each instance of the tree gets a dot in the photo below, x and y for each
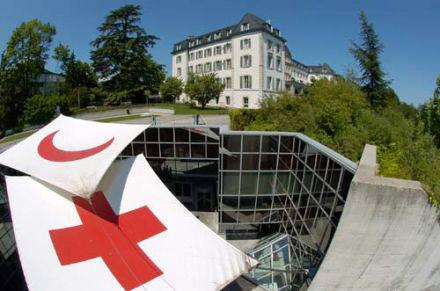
(40, 109)
(22, 63)
(431, 114)
(336, 113)
(79, 76)
(120, 54)
(367, 55)
(204, 88)
(171, 89)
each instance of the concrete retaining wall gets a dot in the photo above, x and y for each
(388, 237)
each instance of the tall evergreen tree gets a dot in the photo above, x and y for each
(431, 114)
(79, 76)
(367, 55)
(120, 53)
(21, 64)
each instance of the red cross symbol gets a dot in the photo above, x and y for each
(112, 237)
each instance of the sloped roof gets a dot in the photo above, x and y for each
(255, 24)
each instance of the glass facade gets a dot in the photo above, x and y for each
(11, 277)
(274, 270)
(281, 183)
(186, 159)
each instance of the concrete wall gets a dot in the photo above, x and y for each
(388, 237)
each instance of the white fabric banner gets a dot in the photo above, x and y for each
(132, 234)
(70, 153)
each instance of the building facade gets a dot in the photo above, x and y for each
(251, 59)
(247, 57)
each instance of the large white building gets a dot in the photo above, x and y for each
(248, 57)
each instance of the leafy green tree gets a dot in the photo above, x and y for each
(171, 89)
(431, 114)
(203, 88)
(120, 54)
(22, 62)
(40, 109)
(79, 76)
(367, 55)
(337, 114)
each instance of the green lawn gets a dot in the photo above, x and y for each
(181, 109)
(121, 118)
(17, 136)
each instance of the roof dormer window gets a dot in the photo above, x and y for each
(245, 26)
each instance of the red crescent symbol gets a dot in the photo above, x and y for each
(47, 150)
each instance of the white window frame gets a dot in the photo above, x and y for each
(246, 82)
(270, 61)
(246, 61)
(217, 66)
(245, 102)
(245, 43)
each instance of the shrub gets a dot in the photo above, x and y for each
(40, 109)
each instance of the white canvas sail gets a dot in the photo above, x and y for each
(71, 154)
(132, 234)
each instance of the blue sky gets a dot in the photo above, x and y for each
(316, 31)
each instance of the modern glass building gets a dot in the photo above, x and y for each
(278, 195)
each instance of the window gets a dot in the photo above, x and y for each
(191, 56)
(191, 43)
(278, 48)
(245, 61)
(227, 64)
(208, 67)
(178, 47)
(217, 35)
(228, 100)
(269, 45)
(209, 38)
(278, 85)
(279, 66)
(269, 83)
(228, 32)
(217, 50)
(191, 69)
(199, 68)
(178, 59)
(245, 43)
(208, 52)
(199, 54)
(182, 189)
(227, 48)
(228, 82)
(245, 102)
(246, 82)
(179, 71)
(244, 26)
(270, 61)
(217, 66)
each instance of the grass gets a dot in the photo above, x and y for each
(121, 118)
(186, 109)
(17, 136)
